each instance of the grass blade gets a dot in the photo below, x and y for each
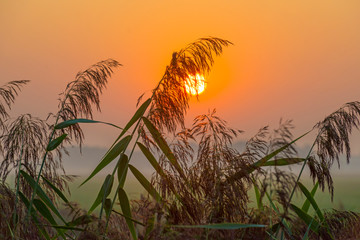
(108, 183)
(131, 219)
(150, 157)
(45, 212)
(312, 201)
(225, 226)
(284, 161)
(56, 190)
(55, 142)
(310, 221)
(33, 215)
(145, 183)
(262, 161)
(109, 156)
(138, 114)
(160, 141)
(306, 204)
(107, 206)
(40, 192)
(82, 220)
(69, 123)
(122, 169)
(258, 197)
(125, 207)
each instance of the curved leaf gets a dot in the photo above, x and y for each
(145, 183)
(284, 161)
(306, 204)
(138, 114)
(55, 142)
(225, 226)
(135, 221)
(40, 192)
(107, 185)
(69, 123)
(311, 200)
(122, 169)
(33, 215)
(109, 156)
(263, 160)
(56, 190)
(41, 207)
(160, 141)
(310, 221)
(150, 157)
(125, 207)
(107, 207)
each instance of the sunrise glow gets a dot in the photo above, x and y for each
(195, 85)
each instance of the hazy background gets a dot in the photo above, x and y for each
(291, 59)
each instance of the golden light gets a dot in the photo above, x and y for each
(195, 85)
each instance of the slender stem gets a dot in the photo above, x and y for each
(17, 187)
(298, 179)
(113, 173)
(118, 188)
(46, 152)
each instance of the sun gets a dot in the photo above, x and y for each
(195, 85)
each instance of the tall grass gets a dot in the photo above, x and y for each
(200, 186)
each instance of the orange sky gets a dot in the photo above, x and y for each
(291, 59)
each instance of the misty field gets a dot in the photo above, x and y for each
(203, 185)
(345, 198)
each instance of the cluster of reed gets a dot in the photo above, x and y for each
(201, 182)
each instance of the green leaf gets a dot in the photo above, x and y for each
(150, 157)
(82, 220)
(138, 114)
(69, 123)
(160, 141)
(150, 226)
(41, 207)
(306, 235)
(306, 204)
(66, 228)
(33, 215)
(314, 225)
(107, 207)
(109, 156)
(56, 190)
(258, 197)
(287, 227)
(125, 207)
(40, 192)
(145, 183)
(262, 161)
(225, 226)
(107, 185)
(122, 169)
(312, 201)
(284, 161)
(131, 219)
(55, 142)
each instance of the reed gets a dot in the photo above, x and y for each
(201, 182)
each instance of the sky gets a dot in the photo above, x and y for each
(289, 59)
